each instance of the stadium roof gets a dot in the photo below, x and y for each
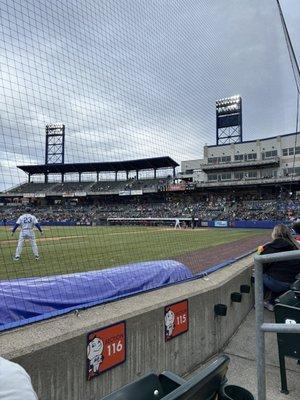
(130, 165)
(255, 140)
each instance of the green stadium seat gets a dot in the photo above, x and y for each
(296, 288)
(150, 386)
(208, 384)
(168, 386)
(287, 311)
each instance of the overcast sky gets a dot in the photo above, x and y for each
(139, 78)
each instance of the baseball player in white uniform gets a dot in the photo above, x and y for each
(177, 223)
(26, 222)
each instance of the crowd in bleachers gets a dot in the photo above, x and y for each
(34, 187)
(204, 207)
(92, 187)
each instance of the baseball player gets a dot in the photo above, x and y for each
(27, 222)
(177, 223)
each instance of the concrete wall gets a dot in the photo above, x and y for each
(54, 351)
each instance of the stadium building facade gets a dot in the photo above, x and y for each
(263, 161)
(257, 180)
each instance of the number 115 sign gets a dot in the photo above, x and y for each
(176, 319)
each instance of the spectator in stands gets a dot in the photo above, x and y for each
(15, 383)
(211, 206)
(279, 275)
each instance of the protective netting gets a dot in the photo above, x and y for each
(126, 92)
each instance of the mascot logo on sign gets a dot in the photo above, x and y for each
(94, 355)
(169, 322)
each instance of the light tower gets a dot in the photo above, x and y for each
(229, 120)
(55, 144)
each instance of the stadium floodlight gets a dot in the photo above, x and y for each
(229, 120)
(55, 144)
(55, 126)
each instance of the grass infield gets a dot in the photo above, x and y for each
(75, 249)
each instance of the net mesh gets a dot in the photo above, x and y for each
(134, 80)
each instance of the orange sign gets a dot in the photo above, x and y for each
(106, 348)
(176, 319)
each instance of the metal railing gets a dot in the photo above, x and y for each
(261, 327)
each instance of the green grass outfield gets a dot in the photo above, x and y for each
(73, 249)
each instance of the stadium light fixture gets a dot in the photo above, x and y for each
(229, 120)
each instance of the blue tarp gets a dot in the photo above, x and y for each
(27, 300)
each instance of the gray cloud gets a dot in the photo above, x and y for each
(138, 78)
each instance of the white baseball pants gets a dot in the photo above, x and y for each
(31, 237)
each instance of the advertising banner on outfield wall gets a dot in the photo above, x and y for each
(221, 224)
(68, 194)
(40, 195)
(80, 194)
(136, 192)
(124, 193)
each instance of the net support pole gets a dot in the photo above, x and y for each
(260, 336)
(261, 327)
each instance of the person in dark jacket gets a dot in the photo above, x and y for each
(279, 275)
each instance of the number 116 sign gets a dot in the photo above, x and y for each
(176, 319)
(106, 348)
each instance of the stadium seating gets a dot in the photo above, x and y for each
(108, 186)
(131, 184)
(204, 206)
(34, 187)
(149, 185)
(287, 311)
(205, 385)
(72, 187)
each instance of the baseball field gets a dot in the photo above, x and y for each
(75, 249)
